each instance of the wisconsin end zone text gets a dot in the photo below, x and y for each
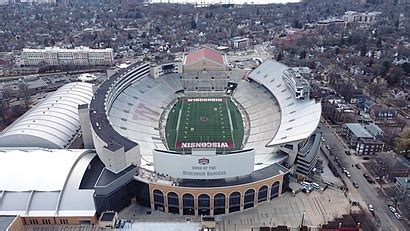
(227, 144)
(191, 100)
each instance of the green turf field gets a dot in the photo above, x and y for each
(204, 123)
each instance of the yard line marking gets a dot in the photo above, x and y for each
(230, 121)
(179, 116)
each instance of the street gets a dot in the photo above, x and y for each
(387, 220)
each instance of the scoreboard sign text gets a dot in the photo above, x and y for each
(204, 166)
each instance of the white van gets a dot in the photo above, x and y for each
(315, 185)
(305, 183)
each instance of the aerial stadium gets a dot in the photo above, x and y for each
(202, 139)
(189, 138)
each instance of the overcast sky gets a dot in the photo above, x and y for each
(229, 1)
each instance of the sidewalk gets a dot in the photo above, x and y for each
(319, 208)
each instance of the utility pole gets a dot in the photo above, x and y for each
(303, 218)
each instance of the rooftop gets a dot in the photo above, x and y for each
(403, 181)
(53, 123)
(204, 53)
(76, 49)
(107, 216)
(295, 76)
(370, 141)
(358, 130)
(6, 221)
(44, 182)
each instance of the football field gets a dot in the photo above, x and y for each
(204, 123)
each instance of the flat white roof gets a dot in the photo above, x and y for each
(358, 130)
(22, 170)
(53, 123)
(76, 49)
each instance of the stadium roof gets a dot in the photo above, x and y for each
(299, 118)
(53, 123)
(44, 182)
(204, 53)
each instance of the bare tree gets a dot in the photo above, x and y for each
(24, 94)
(402, 143)
(5, 107)
(401, 122)
(381, 170)
(376, 89)
(389, 136)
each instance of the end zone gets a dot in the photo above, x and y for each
(182, 144)
(193, 100)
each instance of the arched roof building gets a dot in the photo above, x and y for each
(44, 182)
(53, 123)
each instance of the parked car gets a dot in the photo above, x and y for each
(371, 208)
(397, 215)
(358, 166)
(122, 224)
(327, 147)
(348, 152)
(368, 178)
(305, 183)
(117, 224)
(307, 188)
(392, 208)
(355, 184)
(318, 170)
(323, 139)
(328, 182)
(315, 185)
(347, 173)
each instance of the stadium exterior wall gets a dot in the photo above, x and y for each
(115, 157)
(59, 220)
(122, 197)
(277, 182)
(16, 225)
